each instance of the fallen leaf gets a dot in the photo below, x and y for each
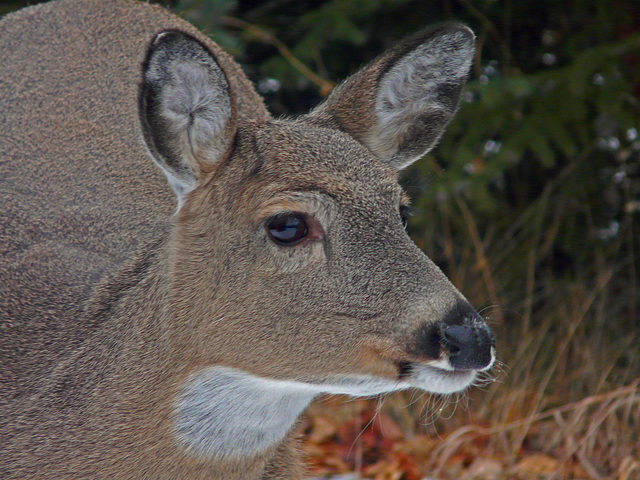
(537, 464)
(389, 428)
(321, 430)
(419, 447)
(485, 469)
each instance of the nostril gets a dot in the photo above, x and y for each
(453, 349)
(468, 346)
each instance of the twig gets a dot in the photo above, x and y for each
(325, 86)
(493, 31)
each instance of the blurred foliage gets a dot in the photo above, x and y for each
(7, 6)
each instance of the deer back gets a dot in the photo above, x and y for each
(79, 192)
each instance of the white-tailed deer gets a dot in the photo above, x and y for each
(141, 342)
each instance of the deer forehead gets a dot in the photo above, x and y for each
(281, 159)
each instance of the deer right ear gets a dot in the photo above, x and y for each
(187, 112)
(399, 105)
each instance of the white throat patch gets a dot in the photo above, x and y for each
(228, 413)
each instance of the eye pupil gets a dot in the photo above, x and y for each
(287, 229)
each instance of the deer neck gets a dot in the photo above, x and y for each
(212, 412)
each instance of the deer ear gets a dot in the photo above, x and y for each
(187, 112)
(399, 105)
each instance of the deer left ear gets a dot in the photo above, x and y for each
(399, 105)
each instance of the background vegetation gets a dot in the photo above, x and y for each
(530, 204)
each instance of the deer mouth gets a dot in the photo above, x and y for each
(434, 374)
(390, 374)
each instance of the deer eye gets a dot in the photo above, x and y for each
(405, 213)
(287, 228)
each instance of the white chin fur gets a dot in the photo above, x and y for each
(438, 380)
(432, 379)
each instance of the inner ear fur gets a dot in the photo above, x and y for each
(399, 105)
(187, 111)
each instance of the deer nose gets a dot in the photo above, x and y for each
(469, 345)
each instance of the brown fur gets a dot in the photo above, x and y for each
(110, 303)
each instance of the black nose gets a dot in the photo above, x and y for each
(468, 345)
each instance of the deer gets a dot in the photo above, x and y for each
(154, 331)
